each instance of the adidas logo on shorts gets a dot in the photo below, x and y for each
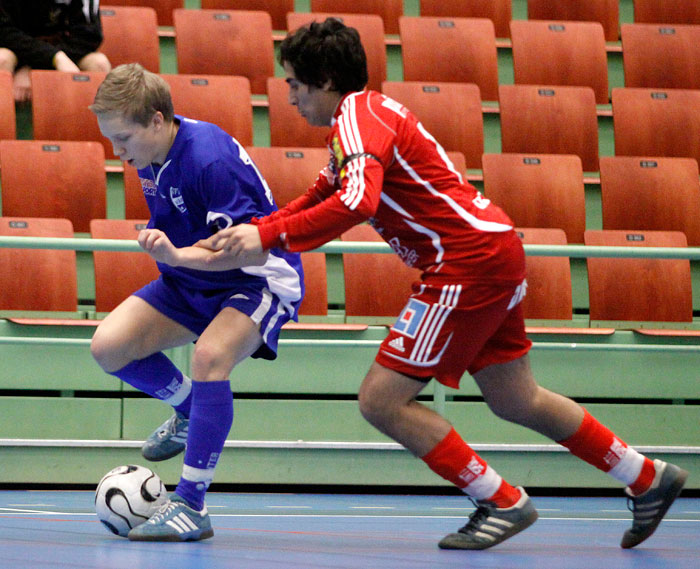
(397, 344)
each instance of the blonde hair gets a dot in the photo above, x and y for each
(134, 93)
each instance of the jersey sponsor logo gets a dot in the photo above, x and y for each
(410, 318)
(397, 344)
(148, 186)
(408, 256)
(177, 199)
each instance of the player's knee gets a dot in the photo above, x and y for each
(209, 363)
(109, 356)
(372, 406)
(8, 60)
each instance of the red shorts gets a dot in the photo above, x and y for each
(447, 329)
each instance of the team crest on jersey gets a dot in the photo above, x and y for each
(338, 153)
(148, 186)
(410, 318)
(177, 199)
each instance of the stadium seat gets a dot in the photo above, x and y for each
(538, 190)
(135, 206)
(225, 42)
(638, 289)
(276, 8)
(607, 12)
(550, 120)
(289, 172)
(371, 30)
(131, 35)
(368, 291)
(37, 279)
(667, 12)
(287, 126)
(63, 179)
(467, 52)
(315, 302)
(164, 8)
(220, 99)
(458, 161)
(498, 11)
(119, 273)
(8, 119)
(451, 112)
(656, 122)
(548, 294)
(389, 10)
(71, 119)
(560, 53)
(661, 56)
(660, 194)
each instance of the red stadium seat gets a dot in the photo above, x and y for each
(37, 279)
(467, 52)
(607, 12)
(389, 10)
(538, 190)
(130, 35)
(498, 11)
(277, 9)
(8, 119)
(63, 179)
(119, 273)
(225, 42)
(164, 8)
(550, 120)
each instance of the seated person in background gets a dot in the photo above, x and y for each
(49, 34)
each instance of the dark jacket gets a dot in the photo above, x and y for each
(35, 30)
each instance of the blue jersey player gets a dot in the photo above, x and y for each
(197, 180)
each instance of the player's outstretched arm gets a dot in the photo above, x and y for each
(157, 244)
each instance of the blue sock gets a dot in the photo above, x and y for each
(158, 377)
(211, 418)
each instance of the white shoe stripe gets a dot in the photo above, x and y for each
(499, 521)
(187, 521)
(175, 526)
(493, 529)
(483, 535)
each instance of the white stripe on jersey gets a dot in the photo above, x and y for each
(355, 188)
(271, 323)
(480, 224)
(434, 238)
(395, 206)
(350, 138)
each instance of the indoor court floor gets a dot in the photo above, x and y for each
(46, 530)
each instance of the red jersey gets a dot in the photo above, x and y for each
(386, 168)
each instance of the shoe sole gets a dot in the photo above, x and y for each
(446, 543)
(206, 534)
(630, 540)
(161, 457)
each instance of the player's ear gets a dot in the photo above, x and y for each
(158, 120)
(328, 86)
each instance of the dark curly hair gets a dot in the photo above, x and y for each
(331, 50)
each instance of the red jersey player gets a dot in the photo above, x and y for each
(464, 314)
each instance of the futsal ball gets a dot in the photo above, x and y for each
(127, 496)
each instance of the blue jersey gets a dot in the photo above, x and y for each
(208, 182)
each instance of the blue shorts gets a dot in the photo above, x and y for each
(195, 309)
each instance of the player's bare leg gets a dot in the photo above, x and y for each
(652, 486)
(387, 401)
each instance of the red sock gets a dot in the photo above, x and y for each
(456, 461)
(598, 445)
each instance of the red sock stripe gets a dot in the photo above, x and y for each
(594, 443)
(450, 458)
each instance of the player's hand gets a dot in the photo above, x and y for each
(241, 240)
(22, 85)
(158, 246)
